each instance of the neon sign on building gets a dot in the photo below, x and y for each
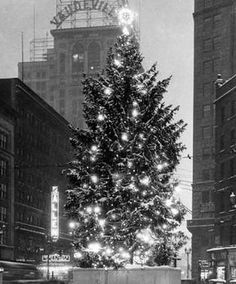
(55, 213)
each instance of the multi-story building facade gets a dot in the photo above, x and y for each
(80, 49)
(214, 52)
(222, 255)
(42, 149)
(7, 122)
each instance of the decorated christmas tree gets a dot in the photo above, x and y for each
(121, 185)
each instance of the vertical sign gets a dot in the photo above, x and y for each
(54, 213)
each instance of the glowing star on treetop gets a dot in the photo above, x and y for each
(125, 16)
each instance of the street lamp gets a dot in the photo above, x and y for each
(188, 251)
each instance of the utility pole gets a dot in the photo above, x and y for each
(188, 252)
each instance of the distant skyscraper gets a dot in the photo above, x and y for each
(214, 52)
(85, 30)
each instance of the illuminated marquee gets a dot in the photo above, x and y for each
(56, 258)
(83, 5)
(55, 213)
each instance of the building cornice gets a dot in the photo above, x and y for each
(213, 8)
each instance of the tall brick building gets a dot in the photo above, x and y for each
(7, 122)
(34, 148)
(222, 255)
(214, 52)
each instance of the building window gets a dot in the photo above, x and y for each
(62, 107)
(3, 191)
(77, 58)
(62, 63)
(3, 214)
(233, 107)
(3, 140)
(216, 65)
(222, 142)
(206, 111)
(93, 56)
(216, 43)
(206, 174)
(43, 86)
(222, 203)
(205, 196)
(231, 167)
(3, 168)
(207, 3)
(62, 94)
(222, 170)
(222, 114)
(207, 67)
(207, 89)
(74, 106)
(216, 20)
(206, 152)
(206, 132)
(207, 24)
(232, 136)
(3, 236)
(38, 86)
(207, 44)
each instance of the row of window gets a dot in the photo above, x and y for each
(78, 58)
(223, 139)
(227, 112)
(3, 191)
(3, 213)
(38, 75)
(227, 169)
(211, 43)
(211, 22)
(211, 66)
(3, 168)
(3, 237)
(29, 219)
(33, 139)
(3, 140)
(28, 198)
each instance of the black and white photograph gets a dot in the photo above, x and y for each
(118, 141)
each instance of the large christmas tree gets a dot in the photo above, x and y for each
(121, 181)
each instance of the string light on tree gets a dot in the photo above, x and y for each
(94, 178)
(145, 180)
(97, 209)
(124, 136)
(94, 148)
(117, 63)
(101, 117)
(108, 91)
(94, 247)
(135, 112)
(89, 210)
(174, 211)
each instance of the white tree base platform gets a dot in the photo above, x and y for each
(131, 275)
